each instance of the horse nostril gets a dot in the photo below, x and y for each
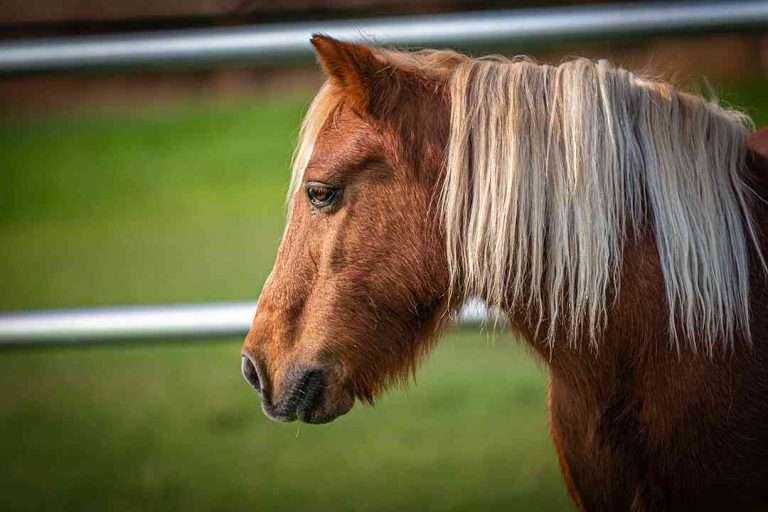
(250, 374)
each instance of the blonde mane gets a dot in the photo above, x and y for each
(551, 169)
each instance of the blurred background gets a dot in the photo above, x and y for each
(167, 185)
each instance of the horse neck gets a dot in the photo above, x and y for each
(635, 343)
(636, 326)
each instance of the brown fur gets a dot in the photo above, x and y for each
(361, 291)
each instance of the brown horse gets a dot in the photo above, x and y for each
(616, 220)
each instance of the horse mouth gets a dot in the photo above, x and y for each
(307, 399)
(307, 395)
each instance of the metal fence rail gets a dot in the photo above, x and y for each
(281, 41)
(99, 324)
(162, 322)
(276, 42)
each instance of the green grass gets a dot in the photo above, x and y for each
(173, 426)
(184, 204)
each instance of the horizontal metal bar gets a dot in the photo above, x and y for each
(104, 325)
(277, 42)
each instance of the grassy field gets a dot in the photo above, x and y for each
(184, 204)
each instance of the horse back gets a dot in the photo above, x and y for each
(758, 145)
(757, 161)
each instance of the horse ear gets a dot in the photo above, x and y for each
(355, 68)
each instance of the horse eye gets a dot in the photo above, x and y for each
(321, 195)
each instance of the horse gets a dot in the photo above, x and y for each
(616, 221)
